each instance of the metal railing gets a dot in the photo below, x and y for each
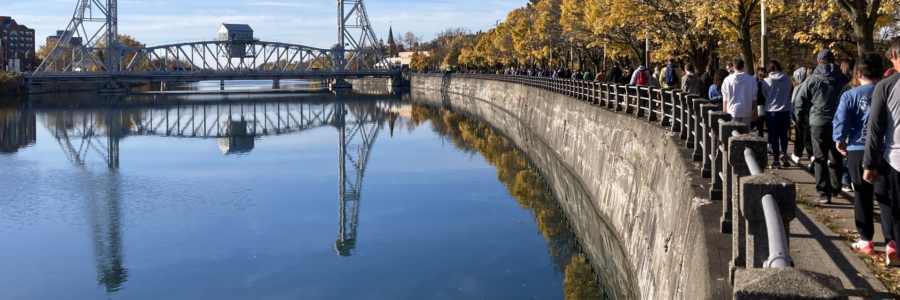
(779, 253)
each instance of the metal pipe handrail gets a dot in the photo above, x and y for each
(779, 253)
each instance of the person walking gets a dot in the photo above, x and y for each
(802, 139)
(690, 83)
(818, 98)
(848, 67)
(706, 81)
(739, 94)
(715, 90)
(670, 76)
(777, 88)
(760, 124)
(641, 76)
(849, 134)
(881, 162)
(588, 75)
(614, 75)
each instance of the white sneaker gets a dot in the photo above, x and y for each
(795, 159)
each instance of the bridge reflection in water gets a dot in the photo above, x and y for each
(93, 133)
(94, 130)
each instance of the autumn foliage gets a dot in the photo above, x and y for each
(574, 32)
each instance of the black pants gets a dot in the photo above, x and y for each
(828, 176)
(761, 126)
(779, 125)
(862, 202)
(802, 139)
(891, 180)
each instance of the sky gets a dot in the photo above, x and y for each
(306, 22)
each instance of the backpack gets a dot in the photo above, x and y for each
(642, 78)
(692, 84)
(671, 77)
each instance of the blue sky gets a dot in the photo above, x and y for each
(309, 22)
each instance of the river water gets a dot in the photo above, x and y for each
(273, 196)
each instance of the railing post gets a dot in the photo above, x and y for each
(739, 168)
(698, 127)
(753, 189)
(716, 119)
(635, 94)
(619, 97)
(657, 103)
(605, 95)
(676, 111)
(686, 102)
(726, 129)
(708, 133)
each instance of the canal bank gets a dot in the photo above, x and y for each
(640, 181)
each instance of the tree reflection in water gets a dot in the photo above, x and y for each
(525, 185)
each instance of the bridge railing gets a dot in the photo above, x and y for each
(756, 207)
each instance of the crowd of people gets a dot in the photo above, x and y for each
(845, 117)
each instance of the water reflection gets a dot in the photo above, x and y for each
(525, 185)
(94, 131)
(236, 126)
(17, 128)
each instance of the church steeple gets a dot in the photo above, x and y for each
(392, 47)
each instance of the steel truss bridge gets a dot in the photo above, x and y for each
(87, 135)
(102, 58)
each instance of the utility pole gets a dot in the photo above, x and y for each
(762, 40)
(647, 51)
(604, 57)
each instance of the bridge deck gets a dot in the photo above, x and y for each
(200, 75)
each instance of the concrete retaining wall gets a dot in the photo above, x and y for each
(636, 179)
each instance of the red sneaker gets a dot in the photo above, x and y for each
(865, 247)
(891, 256)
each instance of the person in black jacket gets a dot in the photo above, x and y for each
(706, 81)
(818, 99)
(615, 75)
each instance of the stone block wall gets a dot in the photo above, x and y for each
(637, 179)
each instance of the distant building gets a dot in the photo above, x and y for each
(17, 42)
(74, 41)
(403, 59)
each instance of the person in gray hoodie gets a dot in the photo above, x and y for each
(776, 89)
(818, 100)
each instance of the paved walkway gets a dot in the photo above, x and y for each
(816, 247)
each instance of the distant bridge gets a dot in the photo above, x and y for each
(102, 58)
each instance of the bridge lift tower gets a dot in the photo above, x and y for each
(96, 23)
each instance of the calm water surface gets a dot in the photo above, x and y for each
(273, 197)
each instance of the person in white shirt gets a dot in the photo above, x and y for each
(739, 94)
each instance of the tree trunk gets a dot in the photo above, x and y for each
(746, 49)
(865, 35)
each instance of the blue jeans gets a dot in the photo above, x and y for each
(779, 124)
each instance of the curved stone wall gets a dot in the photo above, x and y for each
(636, 178)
